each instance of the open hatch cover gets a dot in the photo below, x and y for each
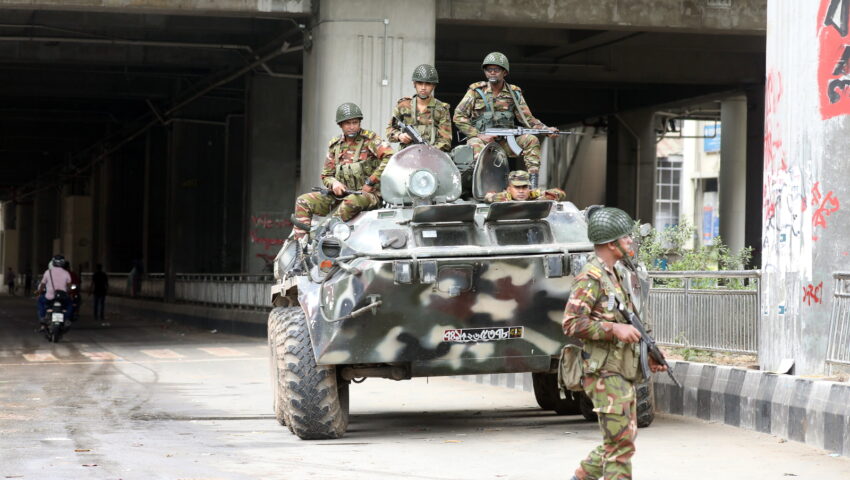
(534, 210)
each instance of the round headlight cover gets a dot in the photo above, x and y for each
(422, 183)
(341, 231)
(286, 259)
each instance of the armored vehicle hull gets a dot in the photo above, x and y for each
(430, 285)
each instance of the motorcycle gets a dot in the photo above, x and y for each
(57, 321)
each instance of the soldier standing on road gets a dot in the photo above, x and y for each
(355, 161)
(519, 189)
(429, 116)
(497, 104)
(611, 353)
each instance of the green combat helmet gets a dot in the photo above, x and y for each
(347, 111)
(606, 224)
(496, 58)
(426, 73)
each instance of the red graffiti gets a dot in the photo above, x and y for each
(813, 294)
(266, 242)
(265, 221)
(774, 153)
(823, 210)
(834, 58)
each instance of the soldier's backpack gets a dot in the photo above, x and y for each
(570, 369)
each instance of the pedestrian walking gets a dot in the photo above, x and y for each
(99, 289)
(10, 280)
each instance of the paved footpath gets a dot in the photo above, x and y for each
(145, 399)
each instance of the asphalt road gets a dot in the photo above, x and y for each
(150, 399)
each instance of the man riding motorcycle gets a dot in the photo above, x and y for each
(56, 282)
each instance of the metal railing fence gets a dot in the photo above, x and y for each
(225, 290)
(710, 317)
(838, 349)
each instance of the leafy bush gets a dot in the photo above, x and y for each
(664, 250)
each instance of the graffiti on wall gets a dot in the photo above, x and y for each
(813, 294)
(268, 229)
(825, 205)
(834, 58)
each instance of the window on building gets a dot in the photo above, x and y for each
(668, 192)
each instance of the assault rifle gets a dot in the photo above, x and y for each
(410, 131)
(511, 133)
(330, 191)
(648, 348)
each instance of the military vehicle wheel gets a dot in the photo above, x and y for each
(547, 394)
(315, 400)
(277, 326)
(585, 406)
(645, 403)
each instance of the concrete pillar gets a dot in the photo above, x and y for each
(732, 186)
(806, 221)
(362, 52)
(630, 179)
(270, 170)
(153, 226)
(76, 231)
(46, 214)
(755, 170)
(25, 235)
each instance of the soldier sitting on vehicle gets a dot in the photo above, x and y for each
(430, 117)
(355, 162)
(496, 104)
(519, 189)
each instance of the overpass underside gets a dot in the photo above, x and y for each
(177, 138)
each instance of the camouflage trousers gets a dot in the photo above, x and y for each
(315, 203)
(614, 401)
(530, 145)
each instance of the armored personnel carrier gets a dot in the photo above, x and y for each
(429, 285)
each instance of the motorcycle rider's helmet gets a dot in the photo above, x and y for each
(58, 261)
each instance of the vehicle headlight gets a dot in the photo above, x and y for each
(422, 183)
(286, 259)
(341, 231)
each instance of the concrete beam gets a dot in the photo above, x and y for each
(254, 8)
(711, 16)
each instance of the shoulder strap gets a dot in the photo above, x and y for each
(516, 105)
(487, 101)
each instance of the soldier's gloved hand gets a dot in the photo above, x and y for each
(553, 130)
(338, 188)
(404, 138)
(625, 333)
(367, 189)
(486, 138)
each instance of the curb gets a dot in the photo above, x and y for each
(814, 412)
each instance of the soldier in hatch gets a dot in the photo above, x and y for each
(429, 116)
(355, 161)
(611, 352)
(495, 103)
(519, 189)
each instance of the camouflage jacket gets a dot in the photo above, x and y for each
(351, 163)
(473, 106)
(589, 308)
(434, 124)
(537, 194)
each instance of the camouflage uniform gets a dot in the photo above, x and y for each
(610, 368)
(472, 107)
(537, 194)
(352, 163)
(434, 124)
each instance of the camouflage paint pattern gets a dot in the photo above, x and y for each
(477, 283)
(345, 165)
(437, 114)
(614, 401)
(472, 107)
(537, 194)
